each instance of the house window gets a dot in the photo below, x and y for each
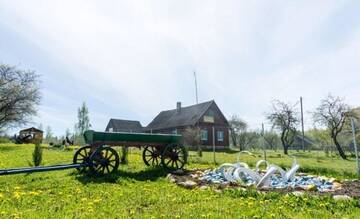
(174, 132)
(220, 135)
(204, 135)
(111, 129)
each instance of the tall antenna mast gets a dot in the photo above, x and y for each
(196, 89)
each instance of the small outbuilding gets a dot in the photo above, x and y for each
(121, 125)
(30, 135)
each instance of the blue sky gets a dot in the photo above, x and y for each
(132, 59)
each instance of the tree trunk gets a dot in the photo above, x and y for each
(339, 148)
(286, 150)
(283, 142)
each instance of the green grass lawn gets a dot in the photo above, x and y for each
(136, 191)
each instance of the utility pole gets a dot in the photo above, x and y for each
(196, 89)
(355, 145)
(213, 135)
(263, 135)
(302, 124)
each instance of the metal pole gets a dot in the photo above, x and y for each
(355, 145)
(263, 133)
(213, 134)
(302, 124)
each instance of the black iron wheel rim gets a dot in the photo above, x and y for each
(174, 157)
(151, 156)
(105, 161)
(82, 156)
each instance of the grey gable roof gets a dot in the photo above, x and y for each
(185, 117)
(120, 125)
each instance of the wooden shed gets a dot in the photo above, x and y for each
(30, 135)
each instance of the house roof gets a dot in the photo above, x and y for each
(120, 125)
(32, 129)
(306, 139)
(186, 116)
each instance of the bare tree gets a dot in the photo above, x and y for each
(271, 140)
(247, 140)
(332, 113)
(191, 137)
(284, 117)
(19, 96)
(237, 126)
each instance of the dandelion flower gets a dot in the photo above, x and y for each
(97, 200)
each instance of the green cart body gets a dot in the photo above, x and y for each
(158, 150)
(129, 139)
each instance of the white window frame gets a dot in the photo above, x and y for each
(220, 135)
(204, 135)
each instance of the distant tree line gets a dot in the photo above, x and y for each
(332, 116)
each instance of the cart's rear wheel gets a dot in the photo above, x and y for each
(174, 157)
(151, 156)
(104, 160)
(82, 156)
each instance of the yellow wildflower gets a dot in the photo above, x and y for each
(34, 193)
(97, 200)
(17, 195)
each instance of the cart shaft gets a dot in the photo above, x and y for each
(40, 169)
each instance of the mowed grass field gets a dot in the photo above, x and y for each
(137, 191)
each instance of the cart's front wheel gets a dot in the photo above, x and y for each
(105, 160)
(82, 156)
(174, 157)
(151, 156)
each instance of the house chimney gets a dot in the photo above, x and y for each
(178, 106)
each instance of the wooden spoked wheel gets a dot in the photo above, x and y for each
(105, 160)
(82, 156)
(151, 156)
(174, 157)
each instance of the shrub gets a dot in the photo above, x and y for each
(37, 155)
(4, 140)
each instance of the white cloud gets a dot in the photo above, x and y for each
(138, 57)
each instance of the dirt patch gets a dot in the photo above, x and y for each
(191, 179)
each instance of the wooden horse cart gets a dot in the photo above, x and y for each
(99, 156)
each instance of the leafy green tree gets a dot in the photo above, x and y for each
(19, 96)
(49, 135)
(83, 123)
